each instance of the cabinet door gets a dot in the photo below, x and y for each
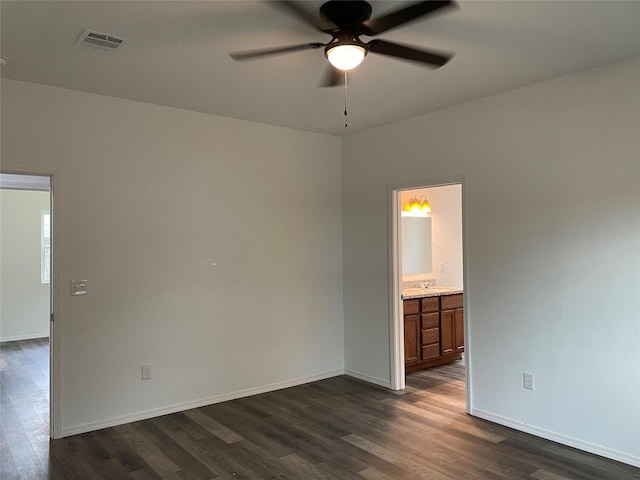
(411, 339)
(459, 329)
(446, 331)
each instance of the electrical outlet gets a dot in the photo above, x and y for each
(146, 371)
(527, 380)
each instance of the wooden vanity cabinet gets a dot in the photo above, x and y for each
(447, 322)
(451, 324)
(458, 327)
(411, 331)
(430, 328)
(433, 331)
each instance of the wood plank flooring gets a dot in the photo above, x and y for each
(338, 428)
(24, 408)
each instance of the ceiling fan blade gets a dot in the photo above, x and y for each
(408, 53)
(252, 54)
(404, 15)
(332, 77)
(306, 16)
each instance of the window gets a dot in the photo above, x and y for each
(45, 246)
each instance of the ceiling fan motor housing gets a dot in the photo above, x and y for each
(346, 13)
(348, 16)
(345, 38)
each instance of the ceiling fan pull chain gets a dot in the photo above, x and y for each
(345, 100)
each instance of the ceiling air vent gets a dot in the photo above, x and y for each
(100, 41)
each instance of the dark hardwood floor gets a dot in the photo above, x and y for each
(338, 428)
(24, 409)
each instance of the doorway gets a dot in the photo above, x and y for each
(27, 301)
(440, 203)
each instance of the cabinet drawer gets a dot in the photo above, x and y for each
(430, 304)
(430, 351)
(450, 302)
(430, 320)
(411, 306)
(430, 336)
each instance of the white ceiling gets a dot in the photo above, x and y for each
(178, 55)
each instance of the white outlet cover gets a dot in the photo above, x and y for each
(146, 371)
(527, 380)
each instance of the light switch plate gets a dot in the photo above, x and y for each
(78, 287)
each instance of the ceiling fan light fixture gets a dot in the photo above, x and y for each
(346, 57)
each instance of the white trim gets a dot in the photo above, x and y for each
(396, 334)
(396, 327)
(43, 248)
(180, 407)
(55, 363)
(369, 379)
(559, 438)
(30, 336)
(55, 343)
(468, 344)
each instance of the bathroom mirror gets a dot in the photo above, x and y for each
(416, 245)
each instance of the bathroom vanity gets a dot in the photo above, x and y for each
(433, 327)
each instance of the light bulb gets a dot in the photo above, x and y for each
(425, 206)
(346, 57)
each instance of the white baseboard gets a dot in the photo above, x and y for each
(368, 378)
(30, 336)
(556, 437)
(179, 407)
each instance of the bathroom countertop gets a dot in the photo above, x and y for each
(409, 293)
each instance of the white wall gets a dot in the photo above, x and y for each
(24, 300)
(446, 217)
(149, 199)
(552, 208)
(151, 196)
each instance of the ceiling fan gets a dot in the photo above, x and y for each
(346, 21)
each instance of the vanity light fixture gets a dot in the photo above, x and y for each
(417, 207)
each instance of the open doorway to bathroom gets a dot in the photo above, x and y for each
(439, 262)
(429, 276)
(25, 313)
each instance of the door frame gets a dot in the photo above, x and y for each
(396, 327)
(54, 292)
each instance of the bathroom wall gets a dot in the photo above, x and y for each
(446, 215)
